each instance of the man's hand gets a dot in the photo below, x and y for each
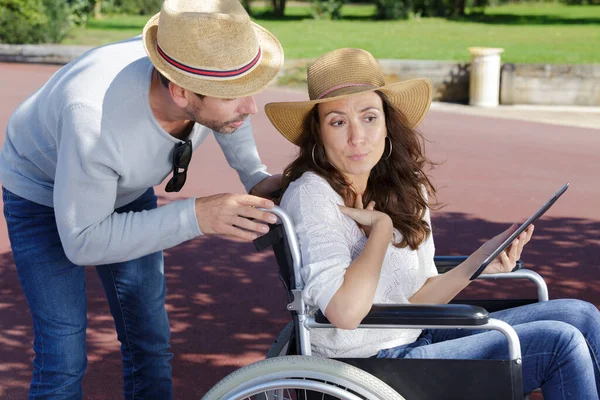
(267, 186)
(231, 214)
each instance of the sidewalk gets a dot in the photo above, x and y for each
(580, 116)
(583, 117)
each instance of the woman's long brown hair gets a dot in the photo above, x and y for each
(395, 184)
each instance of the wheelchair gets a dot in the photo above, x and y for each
(289, 371)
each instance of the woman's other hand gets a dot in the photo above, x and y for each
(507, 260)
(442, 288)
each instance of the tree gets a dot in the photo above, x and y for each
(98, 9)
(278, 7)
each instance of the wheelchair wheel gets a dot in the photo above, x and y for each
(300, 378)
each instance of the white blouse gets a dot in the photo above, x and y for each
(329, 241)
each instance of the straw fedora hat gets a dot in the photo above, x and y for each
(341, 73)
(211, 47)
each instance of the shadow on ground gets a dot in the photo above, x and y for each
(226, 304)
(565, 251)
(513, 19)
(492, 19)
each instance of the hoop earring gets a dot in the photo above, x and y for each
(390, 153)
(313, 154)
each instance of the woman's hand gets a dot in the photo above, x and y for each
(367, 218)
(358, 203)
(354, 298)
(507, 260)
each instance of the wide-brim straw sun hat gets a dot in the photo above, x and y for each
(212, 48)
(342, 73)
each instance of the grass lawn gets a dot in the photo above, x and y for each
(529, 33)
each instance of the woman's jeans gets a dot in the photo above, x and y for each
(560, 343)
(55, 291)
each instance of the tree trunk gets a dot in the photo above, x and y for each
(279, 7)
(459, 8)
(98, 9)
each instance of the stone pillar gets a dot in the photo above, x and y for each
(484, 81)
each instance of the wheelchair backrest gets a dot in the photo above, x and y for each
(277, 239)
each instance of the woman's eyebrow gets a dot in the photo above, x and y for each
(361, 111)
(370, 108)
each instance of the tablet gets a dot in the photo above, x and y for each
(524, 226)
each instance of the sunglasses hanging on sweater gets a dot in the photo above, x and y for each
(182, 155)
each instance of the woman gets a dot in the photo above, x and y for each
(358, 145)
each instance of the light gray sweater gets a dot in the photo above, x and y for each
(87, 143)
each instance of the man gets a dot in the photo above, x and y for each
(78, 165)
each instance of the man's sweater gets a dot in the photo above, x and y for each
(87, 143)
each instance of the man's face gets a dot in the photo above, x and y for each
(221, 115)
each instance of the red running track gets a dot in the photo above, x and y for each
(224, 299)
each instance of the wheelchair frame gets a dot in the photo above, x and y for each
(447, 316)
(307, 322)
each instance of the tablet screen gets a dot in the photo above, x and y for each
(521, 228)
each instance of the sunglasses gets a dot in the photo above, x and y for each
(182, 155)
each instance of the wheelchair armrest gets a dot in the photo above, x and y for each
(417, 314)
(446, 263)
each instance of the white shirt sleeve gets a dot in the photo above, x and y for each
(313, 207)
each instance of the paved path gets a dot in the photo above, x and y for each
(224, 299)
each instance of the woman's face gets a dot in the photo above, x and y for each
(353, 132)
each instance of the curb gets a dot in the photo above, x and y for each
(576, 116)
(582, 116)
(40, 54)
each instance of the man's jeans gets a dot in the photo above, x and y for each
(55, 291)
(560, 343)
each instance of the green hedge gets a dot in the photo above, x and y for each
(22, 21)
(34, 21)
(132, 7)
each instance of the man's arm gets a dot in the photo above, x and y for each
(241, 154)
(85, 191)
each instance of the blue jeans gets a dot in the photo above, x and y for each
(560, 345)
(55, 291)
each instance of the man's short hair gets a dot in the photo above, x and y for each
(165, 82)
